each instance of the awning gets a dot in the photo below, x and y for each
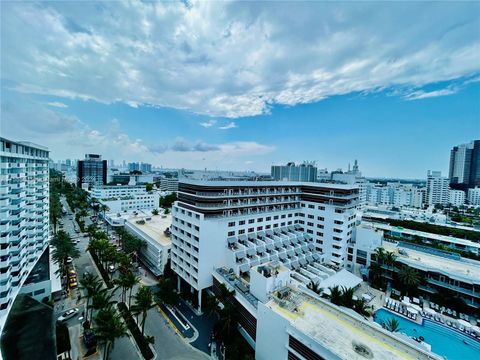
(251, 251)
(282, 256)
(302, 261)
(261, 234)
(316, 256)
(243, 237)
(309, 258)
(274, 257)
(232, 240)
(240, 255)
(298, 251)
(269, 246)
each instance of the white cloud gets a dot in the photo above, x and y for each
(208, 123)
(58, 104)
(421, 94)
(233, 59)
(230, 125)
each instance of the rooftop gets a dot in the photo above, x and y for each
(338, 331)
(153, 226)
(428, 235)
(461, 269)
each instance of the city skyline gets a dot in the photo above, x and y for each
(231, 87)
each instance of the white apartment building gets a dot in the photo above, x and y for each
(438, 190)
(24, 215)
(121, 198)
(474, 196)
(155, 231)
(456, 197)
(240, 224)
(395, 194)
(168, 184)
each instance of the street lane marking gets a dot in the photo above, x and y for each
(170, 322)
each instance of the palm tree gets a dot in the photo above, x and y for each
(315, 287)
(102, 299)
(347, 297)
(392, 325)
(409, 277)
(210, 305)
(380, 255)
(154, 212)
(228, 319)
(390, 258)
(63, 249)
(91, 284)
(109, 327)
(143, 303)
(335, 295)
(361, 307)
(127, 280)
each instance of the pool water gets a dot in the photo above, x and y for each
(444, 341)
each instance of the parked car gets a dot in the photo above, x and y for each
(69, 260)
(68, 314)
(73, 283)
(72, 273)
(111, 268)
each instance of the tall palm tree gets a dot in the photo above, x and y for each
(102, 299)
(409, 277)
(91, 284)
(380, 255)
(392, 325)
(210, 305)
(315, 287)
(228, 319)
(143, 303)
(390, 258)
(127, 281)
(109, 327)
(63, 248)
(335, 295)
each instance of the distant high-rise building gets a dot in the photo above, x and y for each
(438, 191)
(92, 170)
(135, 166)
(464, 169)
(306, 172)
(24, 214)
(145, 168)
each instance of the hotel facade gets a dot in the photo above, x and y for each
(24, 214)
(241, 224)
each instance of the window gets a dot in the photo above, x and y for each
(251, 230)
(321, 208)
(259, 228)
(242, 222)
(289, 215)
(311, 217)
(275, 217)
(282, 224)
(309, 224)
(259, 219)
(320, 226)
(268, 226)
(309, 231)
(231, 233)
(251, 221)
(268, 218)
(241, 231)
(284, 216)
(337, 222)
(320, 218)
(230, 224)
(319, 233)
(311, 206)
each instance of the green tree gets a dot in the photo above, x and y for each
(409, 277)
(91, 284)
(108, 328)
(154, 212)
(347, 297)
(102, 299)
(148, 187)
(143, 302)
(335, 295)
(63, 248)
(167, 293)
(361, 307)
(127, 281)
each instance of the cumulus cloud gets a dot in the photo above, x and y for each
(230, 125)
(421, 94)
(233, 59)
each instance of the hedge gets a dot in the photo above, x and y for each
(135, 331)
(104, 274)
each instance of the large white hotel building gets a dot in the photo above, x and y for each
(241, 224)
(24, 214)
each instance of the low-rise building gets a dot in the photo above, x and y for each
(168, 184)
(120, 198)
(155, 231)
(474, 196)
(457, 197)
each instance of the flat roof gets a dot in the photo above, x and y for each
(462, 269)
(154, 227)
(342, 278)
(248, 183)
(337, 331)
(438, 237)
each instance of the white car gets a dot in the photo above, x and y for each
(111, 268)
(69, 260)
(68, 314)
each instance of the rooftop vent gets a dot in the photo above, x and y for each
(362, 350)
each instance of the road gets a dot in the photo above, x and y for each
(168, 344)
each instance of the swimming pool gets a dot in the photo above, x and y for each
(444, 341)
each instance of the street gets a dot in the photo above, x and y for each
(168, 344)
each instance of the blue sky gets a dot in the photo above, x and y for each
(244, 85)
